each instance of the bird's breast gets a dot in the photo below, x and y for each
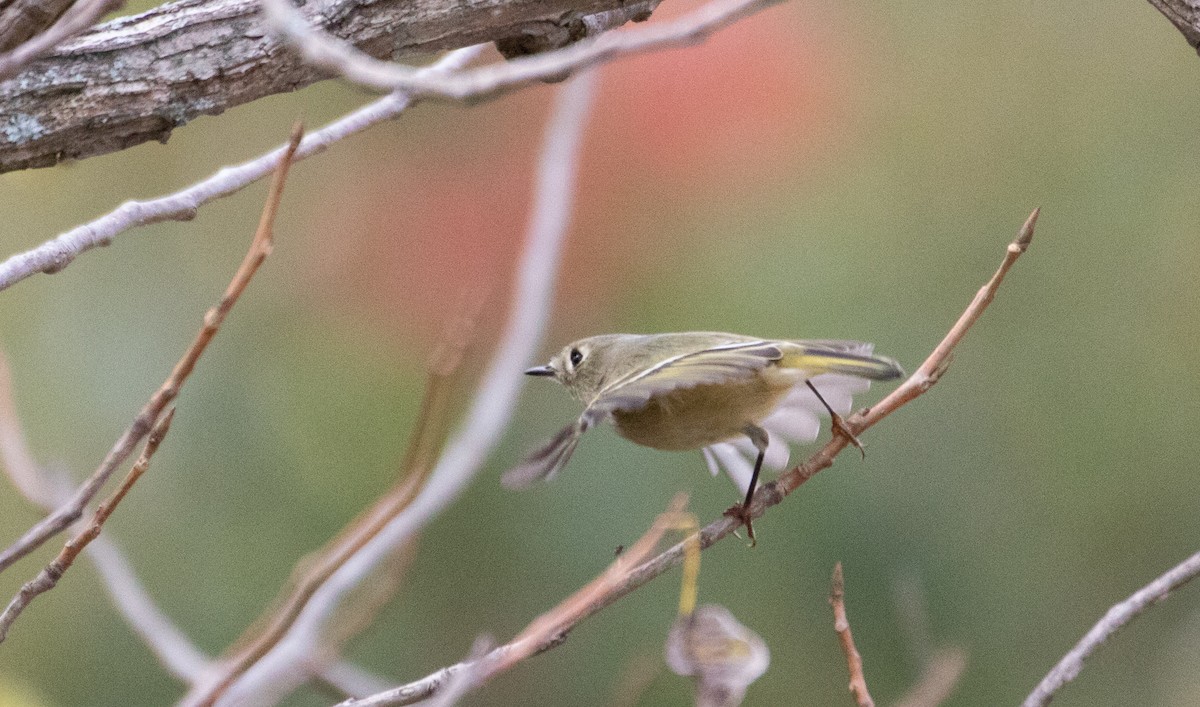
(690, 418)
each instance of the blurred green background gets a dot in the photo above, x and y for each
(815, 172)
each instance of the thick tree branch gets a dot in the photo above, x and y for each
(135, 79)
(1185, 15)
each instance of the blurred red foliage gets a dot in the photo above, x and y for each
(674, 136)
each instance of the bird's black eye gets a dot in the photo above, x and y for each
(576, 357)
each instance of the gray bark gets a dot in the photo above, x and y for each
(137, 78)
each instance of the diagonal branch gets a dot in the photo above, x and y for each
(1116, 618)
(48, 578)
(771, 494)
(68, 513)
(57, 253)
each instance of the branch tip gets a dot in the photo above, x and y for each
(1025, 235)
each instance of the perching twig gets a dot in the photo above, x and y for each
(772, 494)
(48, 578)
(277, 672)
(54, 523)
(495, 79)
(1068, 668)
(544, 632)
(841, 624)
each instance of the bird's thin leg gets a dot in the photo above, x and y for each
(758, 437)
(839, 425)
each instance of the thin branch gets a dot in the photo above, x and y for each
(546, 631)
(68, 513)
(48, 578)
(80, 16)
(170, 645)
(486, 419)
(495, 79)
(1117, 617)
(772, 494)
(841, 624)
(56, 254)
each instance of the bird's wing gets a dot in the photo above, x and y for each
(546, 461)
(716, 364)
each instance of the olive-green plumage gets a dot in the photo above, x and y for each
(686, 390)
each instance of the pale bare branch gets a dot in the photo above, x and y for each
(487, 417)
(1116, 618)
(495, 79)
(56, 254)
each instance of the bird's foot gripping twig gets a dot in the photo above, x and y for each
(741, 512)
(841, 428)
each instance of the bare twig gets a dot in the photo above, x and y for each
(142, 424)
(169, 644)
(56, 254)
(80, 16)
(772, 494)
(841, 624)
(48, 578)
(544, 632)
(1118, 616)
(495, 79)
(486, 419)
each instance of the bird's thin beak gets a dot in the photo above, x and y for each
(540, 371)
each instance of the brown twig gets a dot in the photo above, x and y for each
(1120, 614)
(48, 578)
(66, 514)
(841, 624)
(773, 493)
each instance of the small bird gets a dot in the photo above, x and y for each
(717, 392)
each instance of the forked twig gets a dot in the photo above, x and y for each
(68, 513)
(48, 578)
